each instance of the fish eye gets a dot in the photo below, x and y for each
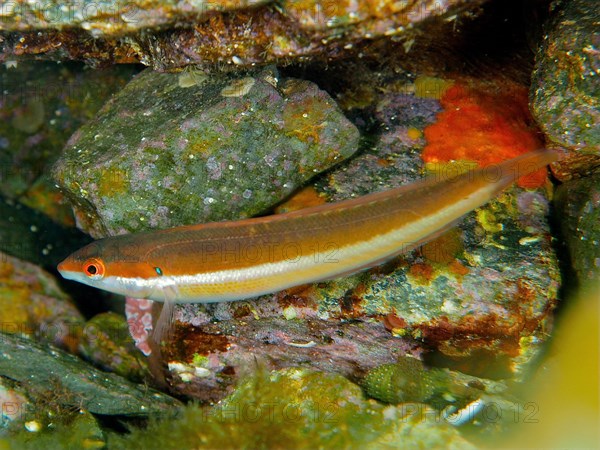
(93, 268)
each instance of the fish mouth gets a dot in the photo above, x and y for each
(62, 267)
(69, 274)
(66, 273)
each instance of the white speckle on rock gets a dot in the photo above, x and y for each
(201, 372)
(33, 426)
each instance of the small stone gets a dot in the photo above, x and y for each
(33, 426)
(106, 341)
(403, 382)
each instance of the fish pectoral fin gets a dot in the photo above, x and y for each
(164, 324)
(161, 331)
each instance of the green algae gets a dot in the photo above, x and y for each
(296, 408)
(408, 380)
(405, 381)
(477, 406)
(81, 432)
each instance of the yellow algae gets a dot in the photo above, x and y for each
(562, 408)
(305, 119)
(488, 221)
(431, 87)
(43, 196)
(14, 304)
(112, 182)
(290, 313)
(202, 147)
(414, 133)
(6, 269)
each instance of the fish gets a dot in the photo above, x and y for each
(228, 261)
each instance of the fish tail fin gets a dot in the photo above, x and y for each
(525, 164)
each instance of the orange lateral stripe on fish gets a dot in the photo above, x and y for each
(225, 261)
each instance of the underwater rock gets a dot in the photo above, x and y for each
(206, 359)
(41, 105)
(30, 235)
(478, 298)
(111, 18)
(105, 341)
(296, 408)
(565, 91)
(98, 392)
(578, 212)
(180, 149)
(32, 304)
(170, 34)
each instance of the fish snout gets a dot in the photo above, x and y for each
(68, 268)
